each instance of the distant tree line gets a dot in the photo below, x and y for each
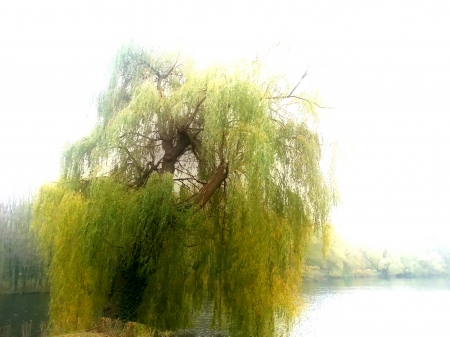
(21, 268)
(349, 260)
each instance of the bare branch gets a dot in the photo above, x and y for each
(304, 75)
(267, 52)
(151, 166)
(189, 179)
(311, 102)
(135, 162)
(146, 137)
(300, 98)
(194, 113)
(162, 77)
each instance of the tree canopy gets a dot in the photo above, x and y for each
(197, 186)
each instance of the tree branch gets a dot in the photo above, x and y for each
(146, 137)
(213, 184)
(300, 98)
(191, 118)
(135, 162)
(303, 76)
(163, 76)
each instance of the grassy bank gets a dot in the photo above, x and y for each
(105, 327)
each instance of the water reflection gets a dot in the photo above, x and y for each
(17, 309)
(354, 307)
(375, 308)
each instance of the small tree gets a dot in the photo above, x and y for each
(194, 185)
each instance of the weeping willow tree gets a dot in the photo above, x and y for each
(195, 186)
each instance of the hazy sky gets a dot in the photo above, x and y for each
(383, 65)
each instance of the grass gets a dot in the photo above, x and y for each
(105, 327)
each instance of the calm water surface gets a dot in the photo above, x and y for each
(16, 309)
(398, 307)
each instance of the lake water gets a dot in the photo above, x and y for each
(17, 309)
(355, 307)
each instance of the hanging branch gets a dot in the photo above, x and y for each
(291, 94)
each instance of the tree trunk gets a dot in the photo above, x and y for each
(171, 152)
(128, 287)
(126, 293)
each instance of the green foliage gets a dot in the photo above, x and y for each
(201, 186)
(352, 260)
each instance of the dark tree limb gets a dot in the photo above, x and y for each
(135, 162)
(304, 75)
(213, 184)
(191, 118)
(161, 77)
(172, 153)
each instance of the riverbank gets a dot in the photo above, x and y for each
(26, 292)
(31, 286)
(107, 327)
(317, 274)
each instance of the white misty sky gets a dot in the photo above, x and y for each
(383, 65)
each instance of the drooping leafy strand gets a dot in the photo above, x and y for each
(195, 186)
